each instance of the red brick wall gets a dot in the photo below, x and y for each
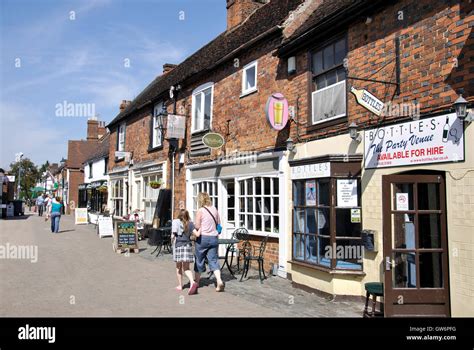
(76, 177)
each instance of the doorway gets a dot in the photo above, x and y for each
(415, 245)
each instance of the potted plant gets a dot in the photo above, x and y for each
(156, 184)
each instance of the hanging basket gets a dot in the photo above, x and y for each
(155, 184)
(102, 189)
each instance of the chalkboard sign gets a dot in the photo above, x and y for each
(126, 235)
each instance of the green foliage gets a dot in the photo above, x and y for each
(29, 176)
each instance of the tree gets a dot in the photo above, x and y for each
(29, 176)
(43, 168)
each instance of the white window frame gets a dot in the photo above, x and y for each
(116, 196)
(203, 186)
(336, 116)
(150, 195)
(157, 135)
(200, 91)
(246, 91)
(121, 137)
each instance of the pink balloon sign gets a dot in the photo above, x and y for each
(277, 111)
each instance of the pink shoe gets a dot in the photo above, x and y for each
(179, 289)
(193, 289)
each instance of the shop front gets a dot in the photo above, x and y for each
(409, 208)
(148, 179)
(118, 192)
(249, 191)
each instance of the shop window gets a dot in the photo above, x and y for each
(202, 107)
(259, 205)
(327, 223)
(117, 196)
(329, 82)
(210, 187)
(150, 195)
(249, 78)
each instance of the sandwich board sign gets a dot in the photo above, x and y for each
(125, 237)
(80, 215)
(106, 228)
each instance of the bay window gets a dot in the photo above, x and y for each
(209, 187)
(202, 107)
(327, 222)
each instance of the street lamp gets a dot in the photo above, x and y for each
(353, 133)
(18, 160)
(460, 106)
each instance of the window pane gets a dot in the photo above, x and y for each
(311, 248)
(231, 215)
(298, 220)
(207, 108)
(310, 193)
(276, 209)
(298, 193)
(429, 227)
(267, 187)
(241, 220)
(250, 204)
(404, 272)
(258, 185)
(349, 254)
(428, 196)
(242, 187)
(197, 112)
(323, 221)
(431, 271)
(403, 231)
(324, 247)
(276, 224)
(345, 227)
(405, 189)
(250, 222)
(318, 62)
(276, 189)
(250, 76)
(323, 192)
(341, 74)
(321, 82)
(298, 247)
(340, 51)
(258, 222)
(328, 60)
(250, 186)
(242, 204)
(331, 78)
(311, 221)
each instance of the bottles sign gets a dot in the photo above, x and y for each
(213, 140)
(368, 101)
(277, 111)
(431, 140)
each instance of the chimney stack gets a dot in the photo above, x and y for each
(92, 128)
(239, 10)
(168, 67)
(124, 105)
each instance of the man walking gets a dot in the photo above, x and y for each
(40, 204)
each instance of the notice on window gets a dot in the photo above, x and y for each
(355, 216)
(347, 193)
(80, 215)
(310, 193)
(402, 201)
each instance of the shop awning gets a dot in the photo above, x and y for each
(97, 184)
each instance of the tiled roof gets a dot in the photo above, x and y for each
(102, 149)
(79, 151)
(261, 21)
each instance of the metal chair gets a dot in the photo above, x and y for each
(249, 257)
(242, 235)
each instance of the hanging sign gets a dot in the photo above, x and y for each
(213, 140)
(80, 215)
(347, 193)
(431, 140)
(368, 101)
(176, 127)
(277, 111)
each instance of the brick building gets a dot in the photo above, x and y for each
(392, 205)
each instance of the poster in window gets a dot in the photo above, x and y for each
(310, 193)
(402, 201)
(355, 216)
(347, 193)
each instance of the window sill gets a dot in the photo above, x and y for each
(155, 149)
(328, 270)
(264, 234)
(325, 123)
(249, 92)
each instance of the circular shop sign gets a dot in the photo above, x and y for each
(277, 111)
(213, 140)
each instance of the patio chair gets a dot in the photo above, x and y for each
(249, 257)
(242, 235)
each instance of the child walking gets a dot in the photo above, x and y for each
(182, 229)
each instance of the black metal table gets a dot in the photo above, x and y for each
(230, 242)
(161, 237)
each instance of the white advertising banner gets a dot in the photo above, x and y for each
(431, 140)
(176, 126)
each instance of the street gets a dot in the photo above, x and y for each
(78, 274)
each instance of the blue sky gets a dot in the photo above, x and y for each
(49, 55)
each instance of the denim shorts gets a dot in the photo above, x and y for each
(206, 246)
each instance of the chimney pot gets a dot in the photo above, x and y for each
(239, 10)
(168, 67)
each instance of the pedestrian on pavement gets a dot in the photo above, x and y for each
(39, 204)
(46, 203)
(182, 229)
(55, 213)
(206, 231)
